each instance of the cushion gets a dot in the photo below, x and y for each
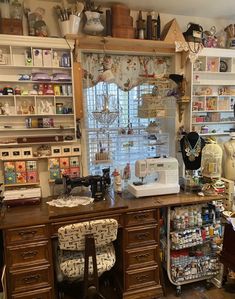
(72, 263)
(72, 236)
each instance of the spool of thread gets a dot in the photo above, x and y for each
(149, 27)
(108, 23)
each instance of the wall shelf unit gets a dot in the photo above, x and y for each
(100, 43)
(36, 88)
(213, 92)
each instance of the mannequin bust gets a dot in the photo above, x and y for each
(191, 147)
(229, 158)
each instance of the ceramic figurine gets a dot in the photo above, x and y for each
(117, 182)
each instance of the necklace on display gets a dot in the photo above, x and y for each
(192, 152)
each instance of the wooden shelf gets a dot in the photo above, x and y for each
(21, 184)
(101, 44)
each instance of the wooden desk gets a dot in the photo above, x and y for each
(28, 232)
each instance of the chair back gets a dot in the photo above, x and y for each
(72, 236)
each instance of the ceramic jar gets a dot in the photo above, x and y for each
(93, 24)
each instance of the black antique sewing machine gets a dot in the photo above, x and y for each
(97, 183)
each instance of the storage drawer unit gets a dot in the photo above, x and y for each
(28, 255)
(23, 234)
(30, 279)
(38, 294)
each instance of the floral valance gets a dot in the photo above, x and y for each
(125, 70)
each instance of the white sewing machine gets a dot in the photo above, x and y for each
(158, 176)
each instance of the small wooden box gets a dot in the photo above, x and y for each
(56, 151)
(11, 26)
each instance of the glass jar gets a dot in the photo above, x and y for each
(59, 108)
(16, 11)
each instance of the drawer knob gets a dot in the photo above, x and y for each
(142, 278)
(29, 254)
(141, 257)
(31, 278)
(27, 234)
(142, 236)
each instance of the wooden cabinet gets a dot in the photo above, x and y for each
(141, 238)
(28, 259)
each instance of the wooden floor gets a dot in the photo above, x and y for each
(189, 291)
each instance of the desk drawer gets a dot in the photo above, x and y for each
(30, 279)
(39, 294)
(147, 256)
(137, 218)
(28, 255)
(138, 236)
(22, 234)
(140, 278)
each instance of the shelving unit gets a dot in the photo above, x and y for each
(36, 88)
(191, 243)
(213, 92)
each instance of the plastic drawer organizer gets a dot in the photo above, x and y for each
(192, 243)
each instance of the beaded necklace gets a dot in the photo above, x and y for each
(192, 152)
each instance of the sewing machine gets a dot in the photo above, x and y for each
(98, 184)
(157, 176)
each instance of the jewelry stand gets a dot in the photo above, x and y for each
(191, 146)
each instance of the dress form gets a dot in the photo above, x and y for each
(229, 159)
(191, 146)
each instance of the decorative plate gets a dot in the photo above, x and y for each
(223, 66)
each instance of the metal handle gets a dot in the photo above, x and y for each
(31, 278)
(142, 278)
(141, 257)
(27, 234)
(140, 216)
(142, 236)
(29, 254)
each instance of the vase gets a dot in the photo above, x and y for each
(93, 24)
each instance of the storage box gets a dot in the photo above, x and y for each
(75, 172)
(21, 177)
(10, 178)
(54, 163)
(74, 162)
(32, 177)
(76, 150)
(9, 166)
(11, 26)
(64, 162)
(27, 152)
(5, 153)
(16, 153)
(66, 150)
(54, 174)
(20, 166)
(56, 151)
(31, 165)
(65, 171)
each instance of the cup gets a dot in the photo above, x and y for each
(74, 24)
(64, 27)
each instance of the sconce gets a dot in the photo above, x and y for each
(182, 104)
(182, 100)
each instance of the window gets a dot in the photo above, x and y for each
(126, 139)
(115, 130)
